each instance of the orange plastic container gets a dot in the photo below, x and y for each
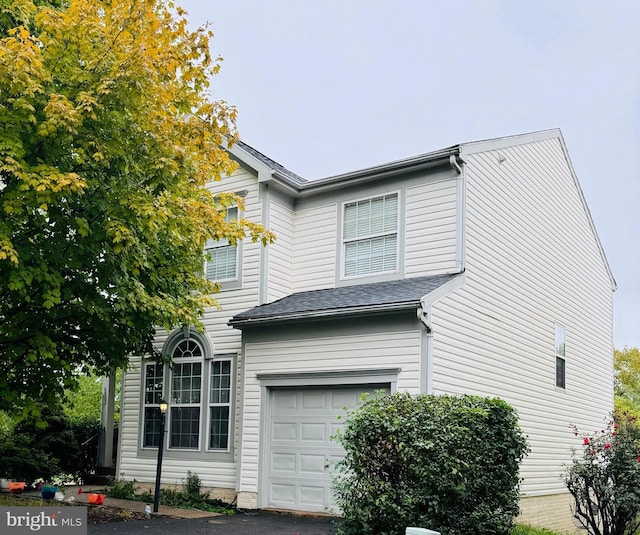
(16, 487)
(95, 499)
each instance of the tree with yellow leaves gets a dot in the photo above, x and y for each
(108, 137)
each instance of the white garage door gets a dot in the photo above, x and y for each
(301, 453)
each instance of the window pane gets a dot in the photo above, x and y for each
(153, 384)
(185, 427)
(560, 340)
(560, 372)
(219, 428)
(220, 391)
(222, 263)
(151, 427)
(370, 234)
(186, 383)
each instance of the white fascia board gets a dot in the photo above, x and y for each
(474, 147)
(264, 172)
(603, 255)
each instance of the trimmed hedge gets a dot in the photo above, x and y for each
(447, 463)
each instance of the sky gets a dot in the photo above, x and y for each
(330, 86)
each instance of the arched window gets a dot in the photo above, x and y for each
(186, 390)
(199, 387)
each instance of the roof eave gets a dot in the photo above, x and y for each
(322, 314)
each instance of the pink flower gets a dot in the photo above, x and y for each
(586, 441)
(607, 445)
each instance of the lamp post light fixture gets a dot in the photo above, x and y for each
(164, 406)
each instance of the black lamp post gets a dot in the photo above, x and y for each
(163, 412)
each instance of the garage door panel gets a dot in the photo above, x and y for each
(285, 399)
(313, 432)
(312, 464)
(301, 454)
(284, 431)
(284, 462)
(314, 399)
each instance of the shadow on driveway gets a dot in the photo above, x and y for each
(249, 523)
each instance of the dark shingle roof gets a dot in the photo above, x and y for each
(272, 164)
(361, 298)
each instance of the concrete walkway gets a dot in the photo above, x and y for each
(130, 505)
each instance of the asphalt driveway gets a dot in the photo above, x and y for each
(251, 523)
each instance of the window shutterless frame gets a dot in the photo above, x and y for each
(219, 426)
(153, 390)
(223, 264)
(560, 352)
(186, 395)
(370, 236)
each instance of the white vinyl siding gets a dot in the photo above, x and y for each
(315, 234)
(398, 349)
(531, 259)
(280, 278)
(430, 229)
(370, 236)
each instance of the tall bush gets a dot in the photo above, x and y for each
(604, 478)
(447, 463)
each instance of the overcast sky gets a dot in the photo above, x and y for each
(329, 86)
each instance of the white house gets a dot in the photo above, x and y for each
(473, 269)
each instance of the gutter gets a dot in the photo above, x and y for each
(322, 314)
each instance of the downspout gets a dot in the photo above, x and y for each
(426, 381)
(460, 212)
(264, 252)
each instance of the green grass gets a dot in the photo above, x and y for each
(522, 529)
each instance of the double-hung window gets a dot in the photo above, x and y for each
(221, 262)
(153, 386)
(560, 356)
(200, 393)
(370, 236)
(219, 404)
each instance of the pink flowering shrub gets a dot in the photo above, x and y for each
(604, 478)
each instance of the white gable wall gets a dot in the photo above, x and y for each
(219, 474)
(532, 260)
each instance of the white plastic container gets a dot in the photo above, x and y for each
(421, 531)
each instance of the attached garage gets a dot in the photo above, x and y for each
(301, 454)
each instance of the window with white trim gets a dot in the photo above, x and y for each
(219, 404)
(153, 387)
(221, 262)
(200, 394)
(370, 236)
(560, 356)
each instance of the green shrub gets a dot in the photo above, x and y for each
(40, 447)
(446, 463)
(122, 489)
(604, 478)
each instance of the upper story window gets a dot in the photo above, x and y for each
(370, 236)
(221, 264)
(560, 356)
